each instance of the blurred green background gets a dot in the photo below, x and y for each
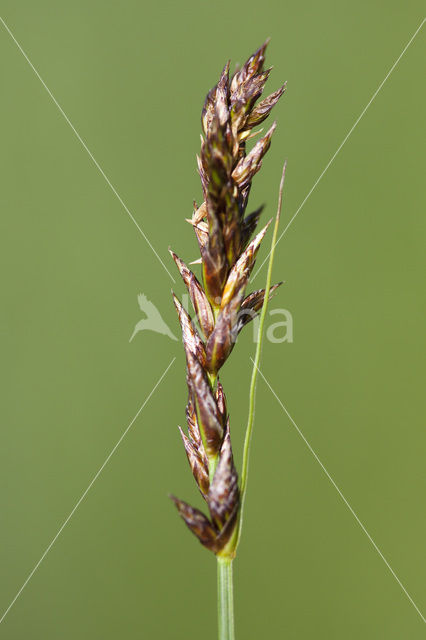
(132, 77)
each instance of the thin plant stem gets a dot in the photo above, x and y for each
(252, 394)
(225, 599)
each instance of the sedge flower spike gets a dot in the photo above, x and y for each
(222, 308)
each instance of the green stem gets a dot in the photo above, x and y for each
(225, 599)
(250, 420)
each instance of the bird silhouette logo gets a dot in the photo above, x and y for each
(153, 320)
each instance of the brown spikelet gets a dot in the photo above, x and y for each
(252, 304)
(223, 230)
(198, 523)
(222, 97)
(209, 419)
(191, 420)
(240, 273)
(224, 336)
(262, 110)
(253, 65)
(248, 226)
(199, 299)
(221, 400)
(194, 432)
(197, 462)
(190, 336)
(223, 492)
(250, 164)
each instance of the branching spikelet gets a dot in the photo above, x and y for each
(223, 231)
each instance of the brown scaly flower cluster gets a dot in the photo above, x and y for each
(223, 230)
